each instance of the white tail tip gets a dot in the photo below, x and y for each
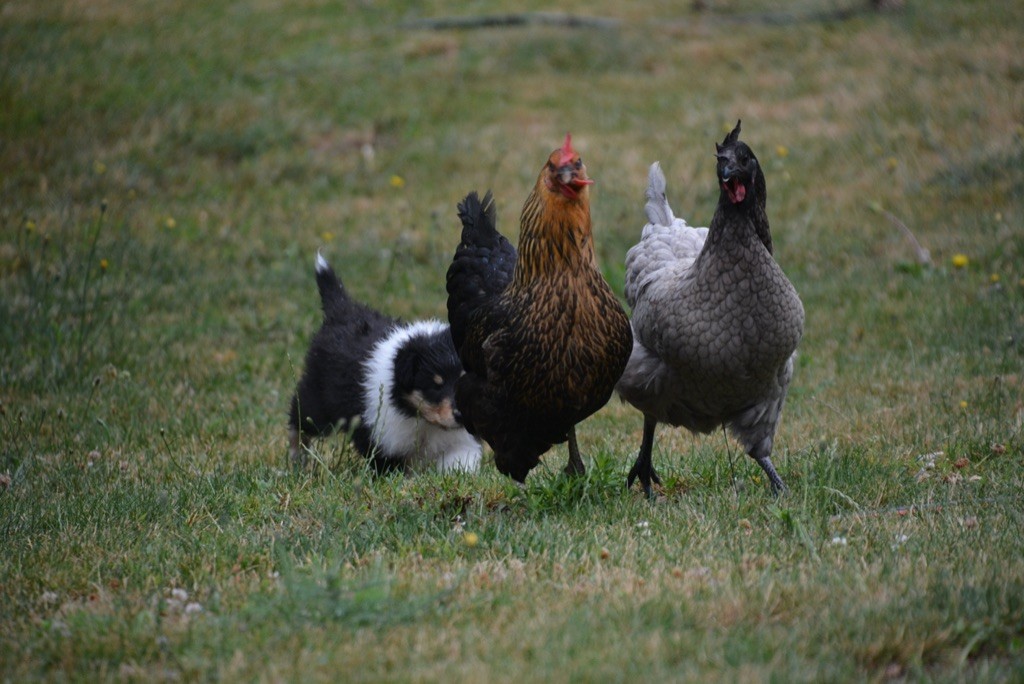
(321, 263)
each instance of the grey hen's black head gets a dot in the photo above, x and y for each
(739, 173)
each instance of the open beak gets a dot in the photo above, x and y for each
(733, 187)
(571, 179)
(730, 180)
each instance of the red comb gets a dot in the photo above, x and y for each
(567, 152)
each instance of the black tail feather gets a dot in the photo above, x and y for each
(483, 263)
(479, 220)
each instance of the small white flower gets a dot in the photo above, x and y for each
(927, 463)
(644, 527)
(838, 541)
(368, 153)
(49, 597)
(179, 595)
(901, 539)
(192, 608)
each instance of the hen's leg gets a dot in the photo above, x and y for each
(643, 468)
(778, 486)
(575, 465)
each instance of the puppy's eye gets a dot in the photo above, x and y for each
(438, 380)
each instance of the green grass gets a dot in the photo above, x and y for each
(167, 172)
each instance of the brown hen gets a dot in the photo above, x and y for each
(544, 344)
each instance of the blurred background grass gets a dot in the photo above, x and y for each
(168, 170)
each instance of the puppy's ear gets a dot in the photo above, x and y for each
(407, 365)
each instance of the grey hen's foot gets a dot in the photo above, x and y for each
(646, 474)
(644, 467)
(778, 486)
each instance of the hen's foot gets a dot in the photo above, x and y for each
(646, 474)
(778, 486)
(643, 467)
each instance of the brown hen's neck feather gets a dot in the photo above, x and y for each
(554, 236)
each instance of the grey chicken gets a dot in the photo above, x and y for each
(716, 322)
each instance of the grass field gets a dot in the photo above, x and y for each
(168, 171)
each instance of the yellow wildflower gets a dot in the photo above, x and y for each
(397, 181)
(963, 403)
(99, 167)
(170, 222)
(471, 539)
(994, 278)
(782, 151)
(327, 236)
(104, 264)
(960, 260)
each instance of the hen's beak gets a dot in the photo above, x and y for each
(728, 168)
(733, 186)
(573, 177)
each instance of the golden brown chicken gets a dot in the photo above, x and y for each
(543, 342)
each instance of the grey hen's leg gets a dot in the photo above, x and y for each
(642, 467)
(778, 486)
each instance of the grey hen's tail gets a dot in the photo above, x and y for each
(657, 208)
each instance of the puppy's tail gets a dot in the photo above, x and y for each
(332, 293)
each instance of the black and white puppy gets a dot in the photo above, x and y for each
(397, 378)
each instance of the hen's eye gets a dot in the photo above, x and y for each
(579, 163)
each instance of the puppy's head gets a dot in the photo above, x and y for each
(426, 368)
